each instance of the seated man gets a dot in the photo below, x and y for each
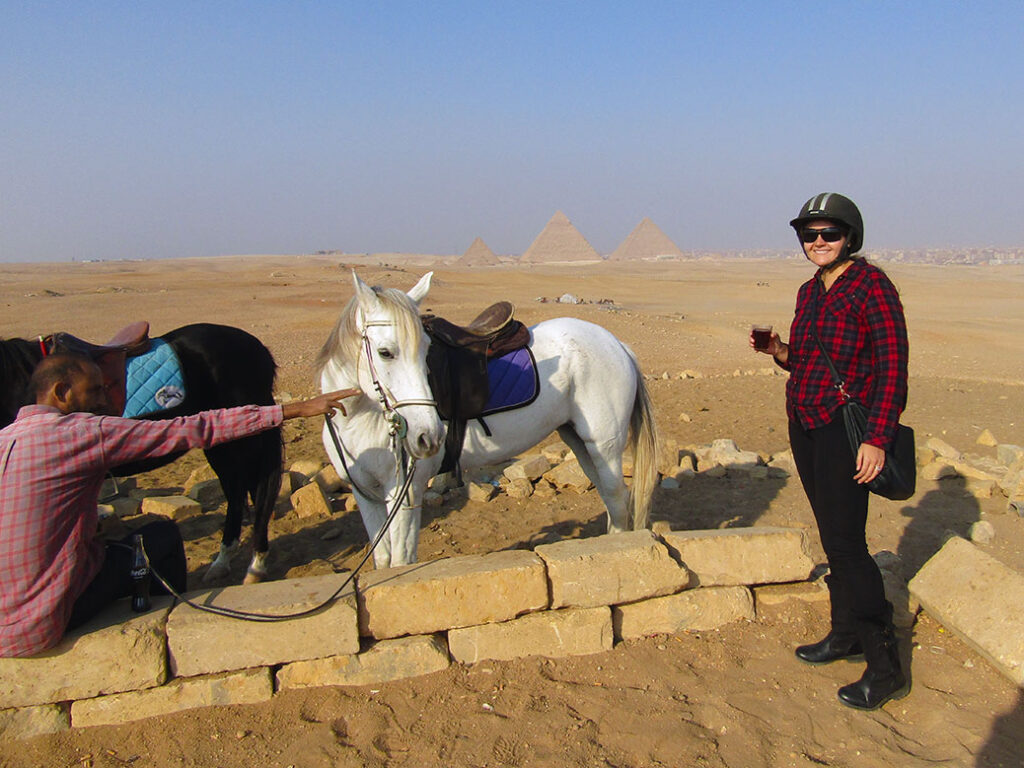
(55, 572)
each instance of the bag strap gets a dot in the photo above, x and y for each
(836, 378)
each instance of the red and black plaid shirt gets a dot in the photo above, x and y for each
(51, 469)
(860, 322)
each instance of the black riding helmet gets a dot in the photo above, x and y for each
(835, 207)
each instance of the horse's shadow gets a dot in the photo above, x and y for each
(949, 509)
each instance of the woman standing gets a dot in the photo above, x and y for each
(850, 309)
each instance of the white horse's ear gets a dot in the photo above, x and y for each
(364, 293)
(419, 291)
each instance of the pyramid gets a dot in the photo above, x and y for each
(478, 255)
(646, 241)
(560, 241)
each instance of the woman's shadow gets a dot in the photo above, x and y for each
(951, 508)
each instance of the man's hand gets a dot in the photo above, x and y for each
(321, 404)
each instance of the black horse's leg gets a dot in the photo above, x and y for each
(227, 460)
(247, 468)
(264, 484)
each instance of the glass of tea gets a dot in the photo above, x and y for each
(762, 337)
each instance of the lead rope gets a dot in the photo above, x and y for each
(405, 469)
(232, 613)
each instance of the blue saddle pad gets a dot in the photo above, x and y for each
(155, 382)
(513, 381)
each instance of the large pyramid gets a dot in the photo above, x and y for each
(560, 241)
(478, 255)
(646, 241)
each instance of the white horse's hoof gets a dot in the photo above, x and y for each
(252, 577)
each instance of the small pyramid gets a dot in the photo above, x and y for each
(560, 241)
(478, 255)
(646, 241)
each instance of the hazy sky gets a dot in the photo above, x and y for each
(145, 129)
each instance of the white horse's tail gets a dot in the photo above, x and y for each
(643, 439)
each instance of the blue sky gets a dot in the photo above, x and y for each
(154, 129)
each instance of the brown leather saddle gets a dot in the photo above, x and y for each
(130, 341)
(457, 368)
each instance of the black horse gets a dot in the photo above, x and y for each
(222, 367)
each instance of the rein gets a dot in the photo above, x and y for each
(405, 467)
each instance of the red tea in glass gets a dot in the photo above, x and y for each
(762, 337)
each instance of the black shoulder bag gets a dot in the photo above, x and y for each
(898, 477)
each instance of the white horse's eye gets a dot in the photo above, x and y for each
(385, 354)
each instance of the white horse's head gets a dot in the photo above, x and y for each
(380, 342)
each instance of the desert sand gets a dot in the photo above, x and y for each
(734, 697)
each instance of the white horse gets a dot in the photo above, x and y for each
(591, 391)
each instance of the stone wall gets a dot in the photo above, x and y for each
(573, 597)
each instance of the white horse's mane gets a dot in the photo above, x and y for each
(344, 339)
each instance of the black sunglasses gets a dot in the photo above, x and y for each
(829, 234)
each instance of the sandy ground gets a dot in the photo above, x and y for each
(735, 697)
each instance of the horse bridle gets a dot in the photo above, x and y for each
(398, 428)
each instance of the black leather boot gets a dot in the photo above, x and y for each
(841, 642)
(834, 646)
(883, 680)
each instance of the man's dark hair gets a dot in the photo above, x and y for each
(59, 368)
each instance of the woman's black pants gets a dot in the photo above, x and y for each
(166, 553)
(826, 466)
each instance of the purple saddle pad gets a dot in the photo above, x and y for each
(513, 381)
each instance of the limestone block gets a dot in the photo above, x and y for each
(529, 467)
(200, 474)
(555, 452)
(981, 489)
(776, 594)
(987, 438)
(201, 643)
(669, 484)
(1012, 483)
(453, 592)
(309, 501)
(26, 722)
(712, 470)
(569, 475)
(383, 661)
(481, 491)
(695, 609)
(174, 507)
(569, 632)
(329, 480)
(544, 490)
(610, 569)
(937, 470)
(904, 605)
(758, 555)
(249, 686)
(520, 488)
(973, 472)
(126, 507)
(982, 532)
(432, 499)
(306, 467)
(627, 465)
(942, 448)
(116, 651)
(207, 492)
(1008, 454)
(977, 598)
(287, 488)
(117, 486)
(728, 454)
